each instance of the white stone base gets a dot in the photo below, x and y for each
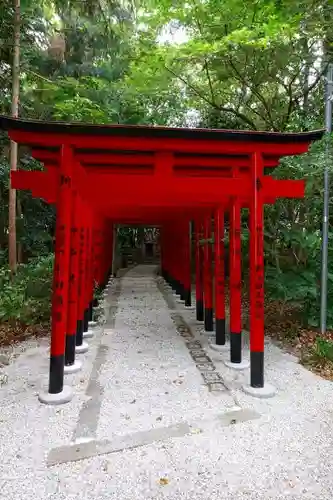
(88, 335)
(81, 349)
(92, 324)
(245, 363)
(268, 391)
(206, 333)
(219, 348)
(56, 399)
(73, 368)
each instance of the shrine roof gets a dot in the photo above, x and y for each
(155, 132)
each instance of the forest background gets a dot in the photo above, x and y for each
(256, 65)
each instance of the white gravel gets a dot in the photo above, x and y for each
(139, 375)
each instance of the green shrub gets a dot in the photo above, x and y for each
(324, 348)
(27, 297)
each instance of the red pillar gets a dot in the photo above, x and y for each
(112, 247)
(198, 271)
(57, 392)
(257, 274)
(167, 255)
(70, 365)
(172, 243)
(235, 283)
(80, 346)
(104, 259)
(88, 270)
(162, 254)
(186, 264)
(219, 277)
(176, 258)
(98, 263)
(92, 266)
(207, 276)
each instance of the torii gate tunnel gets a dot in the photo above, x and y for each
(100, 176)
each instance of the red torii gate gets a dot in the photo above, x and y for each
(98, 176)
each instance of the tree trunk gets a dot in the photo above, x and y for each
(12, 250)
(19, 216)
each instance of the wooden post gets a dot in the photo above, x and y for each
(207, 272)
(89, 278)
(81, 346)
(199, 272)
(257, 275)
(176, 250)
(71, 365)
(88, 275)
(235, 283)
(219, 277)
(187, 267)
(57, 392)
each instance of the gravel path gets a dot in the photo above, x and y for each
(150, 420)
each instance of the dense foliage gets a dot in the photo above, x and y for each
(218, 63)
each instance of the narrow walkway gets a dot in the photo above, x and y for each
(156, 415)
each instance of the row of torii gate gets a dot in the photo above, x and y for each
(100, 176)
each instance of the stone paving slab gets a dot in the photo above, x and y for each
(147, 425)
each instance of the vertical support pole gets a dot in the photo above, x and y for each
(187, 267)
(208, 282)
(235, 283)
(72, 365)
(88, 275)
(167, 255)
(162, 255)
(81, 346)
(199, 272)
(114, 250)
(257, 386)
(57, 392)
(92, 264)
(90, 279)
(177, 254)
(325, 227)
(219, 277)
(97, 257)
(257, 275)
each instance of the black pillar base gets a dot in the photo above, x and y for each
(79, 332)
(86, 320)
(257, 369)
(208, 319)
(220, 331)
(188, 298)
(56, 381)
(70, 350)
(235, 347)
(200, 310)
